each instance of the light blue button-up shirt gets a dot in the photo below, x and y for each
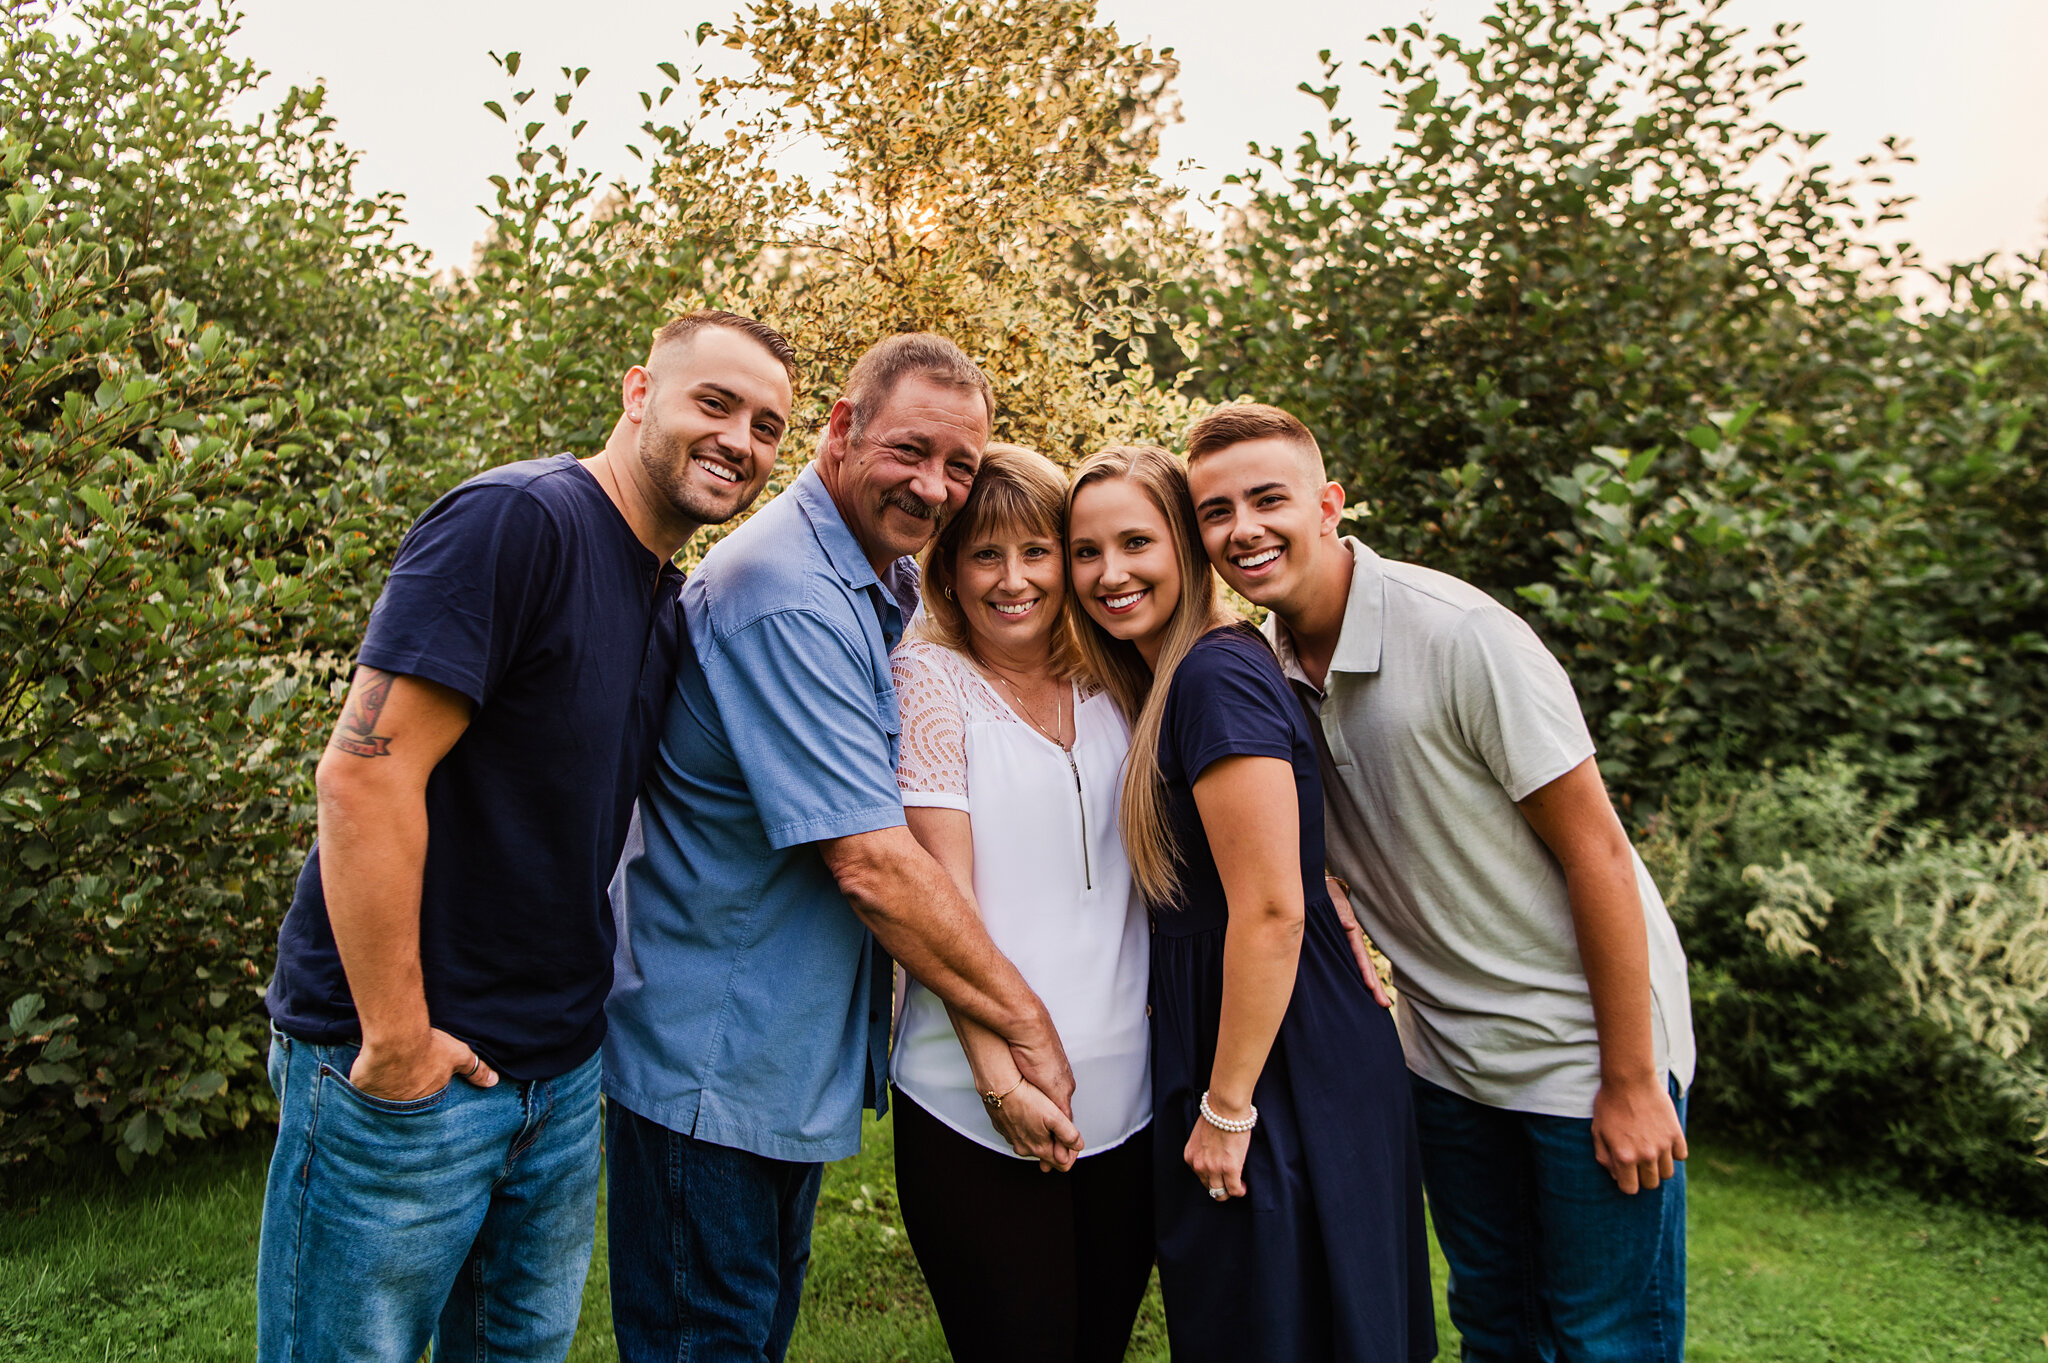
(750, 1006)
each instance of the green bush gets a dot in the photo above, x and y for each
(1867, 991)
(153, 568)
(197, 399)
(1580, 339)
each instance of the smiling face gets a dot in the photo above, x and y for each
(1010, 584)
(1120, 555)
(712, 409)
(910, 467)
(1266, 518)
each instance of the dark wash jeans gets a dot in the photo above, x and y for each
(466, 1216)
(1549, 1259)
(708, 1245)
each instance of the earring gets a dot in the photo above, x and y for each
(948, 591)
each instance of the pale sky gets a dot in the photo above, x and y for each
(1962, 80)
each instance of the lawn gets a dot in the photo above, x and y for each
(161, 1266)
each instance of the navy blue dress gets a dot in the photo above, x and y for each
(1326, 1258)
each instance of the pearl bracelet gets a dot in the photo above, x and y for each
(1235, 1127)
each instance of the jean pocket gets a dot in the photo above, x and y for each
(390, 1107)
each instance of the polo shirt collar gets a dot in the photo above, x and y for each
(842, 550)
(1365, 613)
(1360, 636)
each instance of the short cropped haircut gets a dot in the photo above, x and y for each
(914, 353)
(1016, 490)
(1243, 421)
(690, 323)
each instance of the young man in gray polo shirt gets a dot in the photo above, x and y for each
(1543, 1002)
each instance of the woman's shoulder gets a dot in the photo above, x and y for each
(926, 666)
(1230, 677)
(918, 657)
(1235, 652)
(1229, 699)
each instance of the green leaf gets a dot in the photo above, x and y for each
(205, 1085)
(97, 501)
(144, 1133)
(496, 108)
(22, 1012)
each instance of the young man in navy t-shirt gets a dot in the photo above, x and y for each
(439, 999)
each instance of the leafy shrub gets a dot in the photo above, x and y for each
(145, 628)
(1598, 332)
(1866, 990)
(189, 510)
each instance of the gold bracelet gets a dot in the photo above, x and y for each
(993, 1101)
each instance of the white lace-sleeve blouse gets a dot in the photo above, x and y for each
(1052, 883)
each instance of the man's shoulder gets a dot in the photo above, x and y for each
(1435, 595)
(1427, 605)
(770, 565)
(537, 492)
(554, 481)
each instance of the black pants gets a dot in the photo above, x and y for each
(1026, 1267)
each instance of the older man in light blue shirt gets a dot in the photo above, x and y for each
(776, 877)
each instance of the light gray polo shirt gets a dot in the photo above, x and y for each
(1442, 710)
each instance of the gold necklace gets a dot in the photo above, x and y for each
(1059, 713)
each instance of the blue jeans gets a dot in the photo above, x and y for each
(466, 1216)
(708, 1245)
(1549, 1259)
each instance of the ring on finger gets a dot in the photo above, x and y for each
(1218, 1194)
(476, 1062)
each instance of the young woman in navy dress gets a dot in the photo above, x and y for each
(1287, 1190)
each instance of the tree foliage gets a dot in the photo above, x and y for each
(989, 175)
(163, 564)
(1599, 333)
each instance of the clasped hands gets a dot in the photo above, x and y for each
(1035, 1127)
(1035, 1112)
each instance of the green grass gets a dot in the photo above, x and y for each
(161, 1266)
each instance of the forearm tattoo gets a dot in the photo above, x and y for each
(357, 732)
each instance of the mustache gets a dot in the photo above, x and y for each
(914, 506)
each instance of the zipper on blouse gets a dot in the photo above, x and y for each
(1087, 874)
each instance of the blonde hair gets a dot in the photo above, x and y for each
(1140, 691)
(1014, 489)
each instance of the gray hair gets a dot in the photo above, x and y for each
(920, 353)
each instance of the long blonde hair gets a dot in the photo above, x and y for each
(1141, 691)
(1015, 489)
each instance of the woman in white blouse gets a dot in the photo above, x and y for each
(1009, 769)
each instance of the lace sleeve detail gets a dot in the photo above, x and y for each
(931, 764)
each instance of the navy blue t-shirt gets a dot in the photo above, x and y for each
(1230, 699)
(525, 590)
